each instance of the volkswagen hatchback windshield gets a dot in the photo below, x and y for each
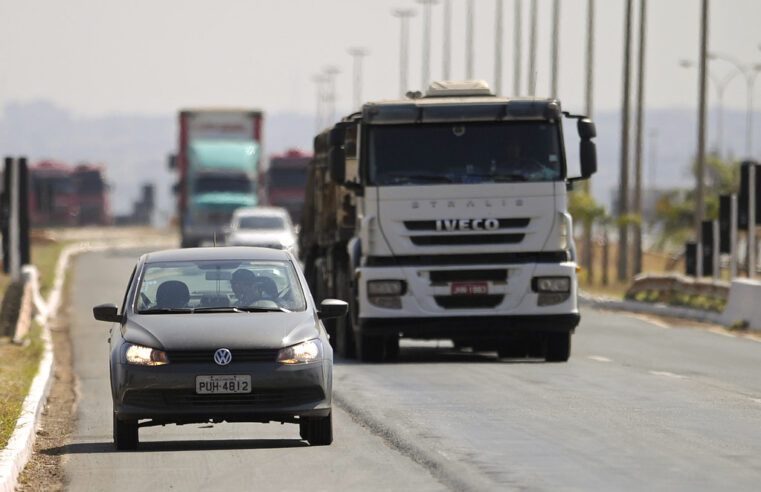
(219, 286)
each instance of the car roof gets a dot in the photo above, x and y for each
(218, 253)
(252, 211)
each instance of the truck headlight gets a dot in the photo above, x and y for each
(552, 290)
(145, 356)
(552, 284)
(386, 293)
(309, 351)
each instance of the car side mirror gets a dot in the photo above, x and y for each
(332, 308)
(107, 312)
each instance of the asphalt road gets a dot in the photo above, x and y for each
(640, 406)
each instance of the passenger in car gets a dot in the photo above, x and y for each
(249, 289)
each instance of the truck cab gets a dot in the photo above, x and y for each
(448, 219)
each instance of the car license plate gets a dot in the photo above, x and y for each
(220, 384)
(469, 288)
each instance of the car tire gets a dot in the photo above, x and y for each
(317, 431)
(558, 347)
(125, 434)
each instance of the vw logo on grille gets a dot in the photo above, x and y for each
(223, 357)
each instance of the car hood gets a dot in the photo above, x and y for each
(261, 237)
(203, 331)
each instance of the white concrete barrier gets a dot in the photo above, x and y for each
(744, 304)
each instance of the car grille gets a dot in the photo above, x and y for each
(259, 397)
(469, 301)
(207, 356)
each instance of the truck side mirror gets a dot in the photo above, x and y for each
(337, 158)
(337, 136)
(588, 157)
(586, 128)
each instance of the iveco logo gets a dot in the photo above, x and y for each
(467, 224)
(223, 357)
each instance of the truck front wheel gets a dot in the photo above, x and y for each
(558, 347)
(370, 348)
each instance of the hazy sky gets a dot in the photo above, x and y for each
(154, 56)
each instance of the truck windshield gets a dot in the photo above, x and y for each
(464, 153)
(231, 183)
(288, 177)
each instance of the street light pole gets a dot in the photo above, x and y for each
(357, 54)
(404, 17)
(426, 77)
(720, 84)
(749, 72)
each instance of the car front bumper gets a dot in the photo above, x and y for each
(167, 394)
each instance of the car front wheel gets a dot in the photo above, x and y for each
(125, 434)
(317, 431)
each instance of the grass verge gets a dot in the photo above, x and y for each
(18, 366)
(45, 256)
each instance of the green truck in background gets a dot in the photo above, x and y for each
(217, 163)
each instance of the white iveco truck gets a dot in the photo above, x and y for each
(444, 216)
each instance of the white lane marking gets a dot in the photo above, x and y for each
(650, 319)
(667, 374)
(722, 332)
(599, 358)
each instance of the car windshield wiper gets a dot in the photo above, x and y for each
(257, 309)
(166, 311)
(218, 309)
(425, 177)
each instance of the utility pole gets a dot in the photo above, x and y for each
(517, 58)
(404, 34)
(623, 191)
(357, 54)
(637, 266)
(469, 41)
(330, 92)
(498, 48)
(426, 77)
(319, 120)
(587, 186)
(555, 47)
(447, 41)
(701, 157)
(532, 51)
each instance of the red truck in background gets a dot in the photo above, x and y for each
(285, 180)
(60, 195)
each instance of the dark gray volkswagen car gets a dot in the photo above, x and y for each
(220, 334)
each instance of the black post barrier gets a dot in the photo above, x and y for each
(23, 196)
(691, 259)
(725, 223)
(5, 213)
(706, 240)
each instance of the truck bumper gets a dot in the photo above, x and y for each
(491, 327)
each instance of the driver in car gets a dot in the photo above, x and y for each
(246, 288)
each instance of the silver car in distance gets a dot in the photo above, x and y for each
(220, 335)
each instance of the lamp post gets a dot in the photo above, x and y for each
(357, 54)
(404, 17)
(750, 72)
(426, 76)
(720, 83)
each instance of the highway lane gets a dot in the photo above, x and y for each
(204, 457)
(640, 406)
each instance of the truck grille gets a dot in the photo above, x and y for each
(444, 276)
(469, 302)
(449, 240)
(430, 225)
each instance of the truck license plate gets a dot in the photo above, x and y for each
(469, 288)
(220, 384)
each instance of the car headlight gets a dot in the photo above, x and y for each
(309, 351)
(145, 356)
